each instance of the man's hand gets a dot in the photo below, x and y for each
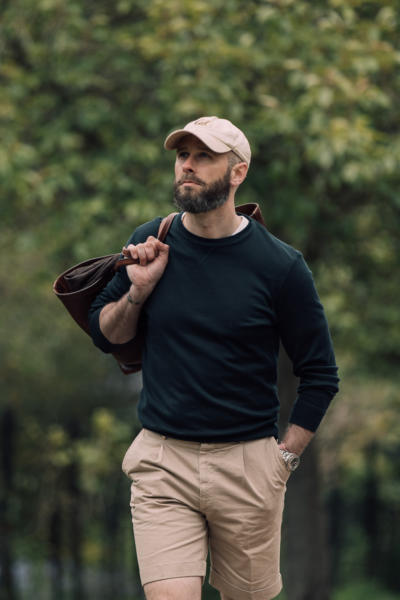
(296, 439)
(153, 259)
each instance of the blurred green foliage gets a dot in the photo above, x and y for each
(367, 590)
(89, 91)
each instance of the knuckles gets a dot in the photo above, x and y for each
(150, 249)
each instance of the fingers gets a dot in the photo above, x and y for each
(145, 252)
(162, 248)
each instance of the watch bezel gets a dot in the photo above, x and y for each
(291, 459)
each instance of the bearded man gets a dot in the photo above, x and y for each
(215, 299)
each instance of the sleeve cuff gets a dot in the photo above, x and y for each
(99, 338)
(307, 415)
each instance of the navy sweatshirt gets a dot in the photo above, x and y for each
(213, 325)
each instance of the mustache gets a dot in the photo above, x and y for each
(190, 178)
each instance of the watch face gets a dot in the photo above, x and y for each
(293, 462)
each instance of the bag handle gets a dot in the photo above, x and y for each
(161, 235)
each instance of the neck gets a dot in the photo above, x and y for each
(218, 223)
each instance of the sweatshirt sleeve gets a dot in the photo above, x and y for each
(115, 289)
(305, 336)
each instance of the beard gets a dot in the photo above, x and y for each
(208, 198)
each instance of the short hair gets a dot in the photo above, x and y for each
(233, 159)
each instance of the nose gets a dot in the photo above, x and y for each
(188, 164)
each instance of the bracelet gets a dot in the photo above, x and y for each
(132, 301)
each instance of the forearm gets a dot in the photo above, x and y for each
(118, 320)
(296, 439)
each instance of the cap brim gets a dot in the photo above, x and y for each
(208, 140)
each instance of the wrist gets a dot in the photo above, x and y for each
(285, 448)
(296, 439)
(135, 296)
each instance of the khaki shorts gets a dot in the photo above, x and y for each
(189, 497)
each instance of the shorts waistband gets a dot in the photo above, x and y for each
(191, 444)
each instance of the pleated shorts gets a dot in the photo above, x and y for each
(191, 498)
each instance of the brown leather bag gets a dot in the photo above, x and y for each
(79, 285)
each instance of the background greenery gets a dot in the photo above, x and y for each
(88, 91)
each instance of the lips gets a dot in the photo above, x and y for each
(185, 181)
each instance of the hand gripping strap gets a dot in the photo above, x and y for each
(162, 232)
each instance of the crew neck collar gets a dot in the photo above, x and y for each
(231, 239)
(243, 223)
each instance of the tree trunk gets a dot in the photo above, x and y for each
(305, 548)
(74, 516)
(55, 544)
(75, 530)
(112, 560)
(7, 451)
(370, 512)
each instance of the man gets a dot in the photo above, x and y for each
(215, 300)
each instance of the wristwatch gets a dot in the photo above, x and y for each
(291, 459)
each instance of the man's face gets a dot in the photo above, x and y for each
(202, 177)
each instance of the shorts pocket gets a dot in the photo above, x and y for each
(144, 454)
(130, 454)
(283, 470)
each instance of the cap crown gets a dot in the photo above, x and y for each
(220, 135)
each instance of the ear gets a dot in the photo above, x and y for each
(238, 173)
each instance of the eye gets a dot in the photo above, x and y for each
(204, 155)
(181, 154)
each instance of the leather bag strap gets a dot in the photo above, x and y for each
(161, 235)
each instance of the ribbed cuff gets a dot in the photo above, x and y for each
(307, 414)
(99, 338)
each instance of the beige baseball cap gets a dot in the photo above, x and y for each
(220, 135)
